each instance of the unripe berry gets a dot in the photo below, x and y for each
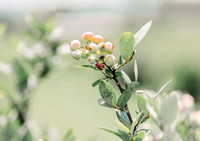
(99, 66)
(102, 47)
(88, 36)
(91, 59)
(109, 47)
(97, 39)
(84, 53)
(74, 45)
(92, 48)
(110, 60)
(76, 54)
(100, 55)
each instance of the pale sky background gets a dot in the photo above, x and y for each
(43, 5)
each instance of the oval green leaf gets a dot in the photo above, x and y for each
(107, 92)
(142, 105)
(123, 99)
(126, 45)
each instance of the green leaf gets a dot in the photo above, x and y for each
(132, 86)
(142, 32)
(127, 80)
(102, 102)
(95, 83)
(123, 99)
(147, 131)
(87, 67)
(142, 105)
(120, 60)
(136, 121)
(169, 110)
(22, 72)
(118, 74)
(113, 132)
(108, 72)
(122, 126)
(125, 136)
(139, 136)
(107, 92)
(123, 118)
(126, 45)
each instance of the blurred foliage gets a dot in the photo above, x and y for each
(174, 115)
(14, 100)
(188, 80)
(33, 63)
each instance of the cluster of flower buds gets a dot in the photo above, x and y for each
(96, 51)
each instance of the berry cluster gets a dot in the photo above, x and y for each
(96, 51)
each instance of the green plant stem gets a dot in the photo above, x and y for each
(121, 65)
(122, 91)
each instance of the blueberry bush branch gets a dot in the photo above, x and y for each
(100, 53)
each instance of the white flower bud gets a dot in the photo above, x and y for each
(84, 53)
(110, 60)
(74, 45)
(109, 47)
(91, 59)
(97, 39)
(102, 47)
(92, 48)
(76, 54)
(195, 117)
(88, 36)
(100, 55)
(186, 102)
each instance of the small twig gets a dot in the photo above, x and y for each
(126, 61)
(121, 90)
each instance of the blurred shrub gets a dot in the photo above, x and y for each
(188, 79)
(34, 62)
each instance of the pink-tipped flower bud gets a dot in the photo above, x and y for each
(74, 45)
(97, 39)
(99, 66)
(187, 102)
(76, 54)
(85, 53)
(88, 36)
(109, 47)
(110, 60)
(194, 117)
(100, 55)
(92, 48)
(91, 59)
(102, 47)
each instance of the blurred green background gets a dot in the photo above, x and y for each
(65, 98)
